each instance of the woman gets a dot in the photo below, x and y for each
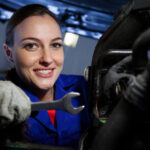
(34, 45)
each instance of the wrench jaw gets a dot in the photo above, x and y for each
(68, 105)
(75, 111)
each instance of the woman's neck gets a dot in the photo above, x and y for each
(45, 95)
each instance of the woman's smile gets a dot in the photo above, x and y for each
(44, 73)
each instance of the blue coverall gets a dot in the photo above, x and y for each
(69, 127)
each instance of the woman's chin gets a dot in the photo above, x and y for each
(45, 87)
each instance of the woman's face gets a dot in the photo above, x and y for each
(38, 51)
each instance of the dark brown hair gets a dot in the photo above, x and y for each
(23, 13)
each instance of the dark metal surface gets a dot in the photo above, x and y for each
(121, 35)
(30, 146)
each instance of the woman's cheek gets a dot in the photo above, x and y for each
(26, 60)
(59, 58)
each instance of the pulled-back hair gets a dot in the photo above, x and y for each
(23, 13)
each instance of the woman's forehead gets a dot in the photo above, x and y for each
(39, 19)
(38, 26)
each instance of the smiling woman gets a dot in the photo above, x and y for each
(34, 45)
(37, 53)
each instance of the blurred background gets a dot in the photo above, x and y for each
(82, 21)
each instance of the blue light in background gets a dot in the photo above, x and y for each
(5, 14)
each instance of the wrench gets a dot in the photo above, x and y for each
(63, 103)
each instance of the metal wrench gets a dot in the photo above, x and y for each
(62, 104)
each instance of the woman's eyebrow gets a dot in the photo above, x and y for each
(30, 38)
(35, 39)
(55, 39)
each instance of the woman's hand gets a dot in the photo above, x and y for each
(14, 104)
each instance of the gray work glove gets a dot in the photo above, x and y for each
(15, 105)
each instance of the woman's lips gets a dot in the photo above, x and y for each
(44, 73)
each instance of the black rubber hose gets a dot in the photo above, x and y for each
(140, 49)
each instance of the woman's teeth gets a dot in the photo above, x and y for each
(45, 71)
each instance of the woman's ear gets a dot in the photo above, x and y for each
(8, 52)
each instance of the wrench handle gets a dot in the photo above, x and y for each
(37, 106)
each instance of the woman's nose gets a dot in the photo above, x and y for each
(46, 57)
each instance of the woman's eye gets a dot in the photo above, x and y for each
(31, 46)
(56, 45)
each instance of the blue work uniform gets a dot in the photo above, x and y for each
(69, 127)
